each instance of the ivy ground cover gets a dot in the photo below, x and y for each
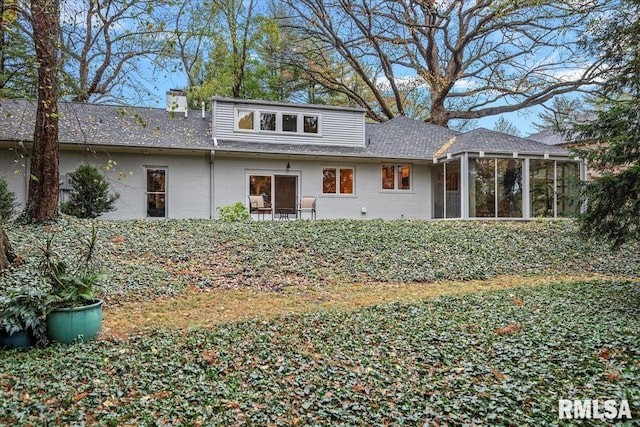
(147, 259)
(489, 358)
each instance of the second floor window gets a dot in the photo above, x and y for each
(310, 124)
(290, 123)
(268, 121)
(278, 122)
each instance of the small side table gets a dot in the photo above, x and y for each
(283, 213)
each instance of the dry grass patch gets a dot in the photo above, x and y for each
(196, 308)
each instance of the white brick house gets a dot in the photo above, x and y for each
(173, 163)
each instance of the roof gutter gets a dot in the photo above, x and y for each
(513, 154)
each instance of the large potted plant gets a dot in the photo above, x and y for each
(76, 311)
(23, 307)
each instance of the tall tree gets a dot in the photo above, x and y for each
(455, 59)
(239, 16)
(613, 199)
(42, 199)
(6, 251)
(18, 71)
(218, 61)
(109, 48)
(195, 35)
(505, 126)
(561, 112)
(234, 48)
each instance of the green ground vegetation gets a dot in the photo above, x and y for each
(147, 259)
(489, 358)
(498, 357)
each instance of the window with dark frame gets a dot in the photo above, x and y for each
(311, 124)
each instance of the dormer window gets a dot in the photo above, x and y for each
(245, 120)
(310, 124)
(268, 121)
(289, 123)
(277, 122)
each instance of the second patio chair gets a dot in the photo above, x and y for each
(307, 204)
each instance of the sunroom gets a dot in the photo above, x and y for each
(488, 175)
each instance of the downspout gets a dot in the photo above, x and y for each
(526, 189)
(212, 155)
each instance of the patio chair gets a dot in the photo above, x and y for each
(259, 206)
(307, 204)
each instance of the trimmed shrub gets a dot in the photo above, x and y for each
(7, 200)
(90, 194)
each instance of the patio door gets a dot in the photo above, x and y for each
(286, 192)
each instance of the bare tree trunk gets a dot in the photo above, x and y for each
(469, 59)
(42, 202)
(6, 251)
(439, 114)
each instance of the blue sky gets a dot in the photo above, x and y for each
(522, 119)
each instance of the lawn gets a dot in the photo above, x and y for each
(476, 323)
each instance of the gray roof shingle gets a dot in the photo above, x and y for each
(491, 141)
(96, 124)
(547, 136)
(406, 138)
(399, 138)
(143, 127)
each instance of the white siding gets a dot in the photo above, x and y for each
(232, 186)
(338, 127)
(188, 188)
(14, 169)
(187, 183)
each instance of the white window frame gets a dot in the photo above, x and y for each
(236, 117)
(257, 113)
(396, 172)
(338, 169)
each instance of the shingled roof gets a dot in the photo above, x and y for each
(407, 138)
(490, 141)
(110, 125)
(399, 138)
(548, 136)
(142, 127)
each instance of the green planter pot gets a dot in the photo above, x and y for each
(79, 324)
(20, 339)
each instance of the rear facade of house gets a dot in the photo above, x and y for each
(180, 163)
